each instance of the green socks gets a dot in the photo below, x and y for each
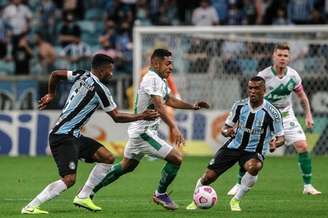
(168, 174)
(114, 173)
(304, 162)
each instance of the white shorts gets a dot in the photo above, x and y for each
(147, 143)
(292, 130)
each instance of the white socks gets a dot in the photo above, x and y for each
(48, 193)
(95, 177)
(198, 184)
(247, 182)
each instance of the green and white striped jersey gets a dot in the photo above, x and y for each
(279, 90)
(151, 84)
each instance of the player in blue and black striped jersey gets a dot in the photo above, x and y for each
(66, 142)
(254, 126)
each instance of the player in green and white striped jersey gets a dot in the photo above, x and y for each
(281, 81)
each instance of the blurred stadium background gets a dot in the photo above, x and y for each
(217, 45)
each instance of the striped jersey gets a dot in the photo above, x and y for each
(279, 90)
(86, 95)
(255, 127)
(151, 84)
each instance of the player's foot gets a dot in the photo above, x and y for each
(86, 203)
(33, 210)
(165, 201)
(191, 206)
(233, 190)
(310, 190)
(234, 204)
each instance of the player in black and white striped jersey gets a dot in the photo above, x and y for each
(66, 142)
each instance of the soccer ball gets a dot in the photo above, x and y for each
(205, 197)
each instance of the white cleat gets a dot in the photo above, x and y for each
(233, 190)
(310, 190)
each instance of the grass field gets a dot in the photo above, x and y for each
(277, 193)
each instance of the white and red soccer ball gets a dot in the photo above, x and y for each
(205, 197)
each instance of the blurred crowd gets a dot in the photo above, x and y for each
(37, 36)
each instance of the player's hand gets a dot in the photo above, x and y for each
(309, 121)
(150, 114)
(45, 100)
(229, 132)
(178, 138)
(201, 104)
(272, 144)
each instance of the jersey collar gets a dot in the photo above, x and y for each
(94, 76)
(275, 72)
(254, 110)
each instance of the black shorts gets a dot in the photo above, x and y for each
(67, 150)
(226, 158)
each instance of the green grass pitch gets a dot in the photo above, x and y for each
(277, 193)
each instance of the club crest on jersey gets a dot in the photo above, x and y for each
(290, 86)
(274, 112)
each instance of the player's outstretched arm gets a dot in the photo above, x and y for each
(180, 104)
(120, 117)
(178, 138)
(54, 79)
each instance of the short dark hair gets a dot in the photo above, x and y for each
(100, 60)
(161, 53)
(257, 79)
(281, 46)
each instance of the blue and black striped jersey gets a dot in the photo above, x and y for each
(86, 95)
(255, 127)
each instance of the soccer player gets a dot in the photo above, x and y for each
(174, 91)
(153, 92)
(66, 143)
(255, 126)
(281, 81)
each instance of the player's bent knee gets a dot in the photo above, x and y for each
(253, 167)
(301, 146)
(174, 157)
(110, 159)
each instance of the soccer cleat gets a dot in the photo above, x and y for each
(191, 206)
(33, 210)
(310, 190)
(234, 204)
(165, 201)
(86, 203)
(233, 190)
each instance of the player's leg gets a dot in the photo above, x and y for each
(221, 162)
(294, 135)
(92, 151)
(235, 188)
(65, 153)
(305, 164)
(252, 164)
(132, 157)
(154, 146)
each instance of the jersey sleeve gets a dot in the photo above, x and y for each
(276, 128)
(106, 100)
(153, 86)
(260, 74)
(74, 75)
(233, 116)
(298, 82)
